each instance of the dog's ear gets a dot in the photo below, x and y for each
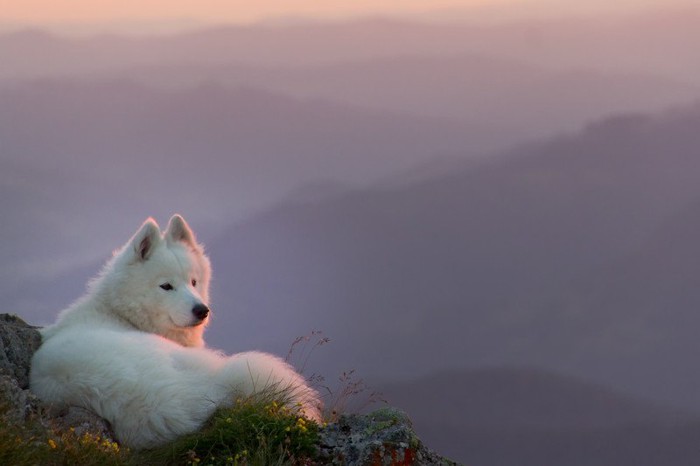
(146, 239)
(179, 231)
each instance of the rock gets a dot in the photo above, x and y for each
(382, 438)
(18, 404)
(81, 421)
(18, 342)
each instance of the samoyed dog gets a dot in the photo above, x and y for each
(132, 351)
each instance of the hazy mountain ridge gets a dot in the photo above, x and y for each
(504, 83)
(523, 398)
(243, 124)
(526, 416)
(658, 280)
(220, 143)
(101, 156)
(500, 101)
(564, 41)
(479, 265)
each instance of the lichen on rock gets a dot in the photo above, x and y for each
(382, 438)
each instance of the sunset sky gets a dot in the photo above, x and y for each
(71, 11)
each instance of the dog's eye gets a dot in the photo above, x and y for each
(194, 282)
(167, 287)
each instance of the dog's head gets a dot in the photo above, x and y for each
(159, 282)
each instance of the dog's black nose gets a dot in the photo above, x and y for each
(200, 311)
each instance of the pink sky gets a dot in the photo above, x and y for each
(208, 10)
(225, 11)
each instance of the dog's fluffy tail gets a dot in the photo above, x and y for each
(267, 376)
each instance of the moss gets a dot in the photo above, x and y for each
(385, 418)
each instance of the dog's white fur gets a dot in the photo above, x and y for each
(132, 351)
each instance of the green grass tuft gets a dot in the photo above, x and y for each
(256, 431)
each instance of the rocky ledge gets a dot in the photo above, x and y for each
(384, 437)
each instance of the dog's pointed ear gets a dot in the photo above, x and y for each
(179, 231)
(146, 239)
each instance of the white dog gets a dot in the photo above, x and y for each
(131, 350)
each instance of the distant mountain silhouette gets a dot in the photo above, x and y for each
(209, 129)
(235, 141)
(501, 101)
(523, 398)
(525, 416)
(637, 43)
(504, 83)
(659, 281)
(483, 266)
(101, 156)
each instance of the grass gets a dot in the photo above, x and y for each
(348, 394)
(256, 431)
(34, 442)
